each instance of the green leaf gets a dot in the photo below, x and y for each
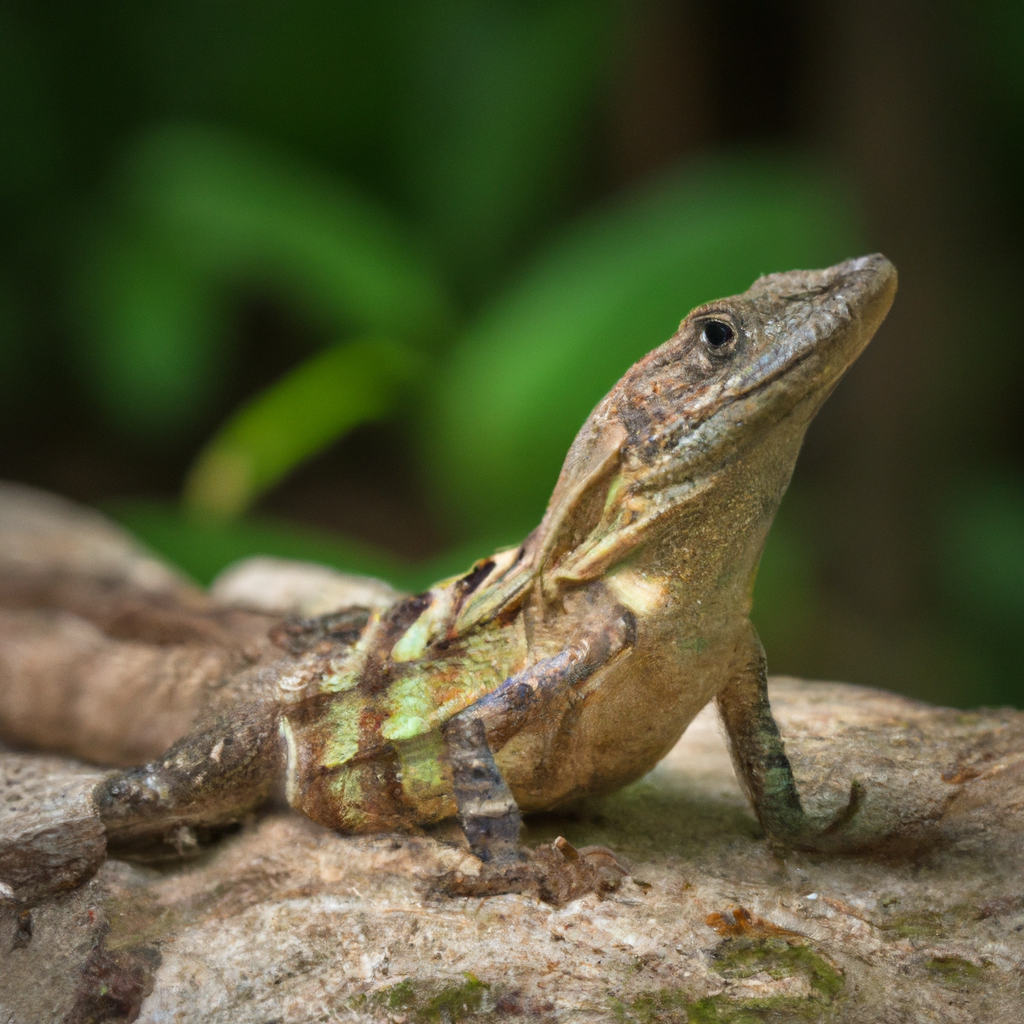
(296, 417)
(154, 341)
(529, 370)
(240, 210)
(201, 212)
(983, 553)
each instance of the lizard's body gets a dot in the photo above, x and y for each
(565, 667)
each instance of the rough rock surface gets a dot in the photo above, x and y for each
(285, 922)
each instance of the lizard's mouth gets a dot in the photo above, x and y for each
(833, 315)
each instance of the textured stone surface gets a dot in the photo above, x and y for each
(47, 817)
(286, 922)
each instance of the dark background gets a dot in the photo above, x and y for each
(486, 129)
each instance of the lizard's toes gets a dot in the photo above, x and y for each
(840, 835)
(571, 873)
(555, 873)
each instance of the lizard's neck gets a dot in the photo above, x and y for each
(676, 543)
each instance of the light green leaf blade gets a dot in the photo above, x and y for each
(296, 417)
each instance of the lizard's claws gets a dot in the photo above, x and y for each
(835, 836)
(846, 815)
(554, 872)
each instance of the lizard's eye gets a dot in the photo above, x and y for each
(717, 334)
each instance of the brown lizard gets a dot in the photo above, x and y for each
(565, 667)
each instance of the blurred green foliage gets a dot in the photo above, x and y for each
(197, 211)
(982, 570)
(414, 183)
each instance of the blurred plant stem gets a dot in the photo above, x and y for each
(317, 402)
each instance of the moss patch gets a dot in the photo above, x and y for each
(776, 1010)
(666, 1006)
(954, 970)
(920, 924)
(743, 958)
(740, 958)
(428, 1003)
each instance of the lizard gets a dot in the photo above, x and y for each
(565, 667)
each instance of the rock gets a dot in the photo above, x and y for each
(48, 539)
(297, 588)
(287, 922)
(49, 826)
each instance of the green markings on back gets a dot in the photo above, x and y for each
(426, 700)
(410, 707)
(420, 700)
(423, 774)
(339, 681)
(342, 728)
(351, 798)
(426, 777)
(432, 623)
(368, 754)
(345, 674)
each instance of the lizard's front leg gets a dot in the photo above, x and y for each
(488, 812)
(763, 767)
(487, 808)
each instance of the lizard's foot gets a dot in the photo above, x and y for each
(555, 873)
(838, 835)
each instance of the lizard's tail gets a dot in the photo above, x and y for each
(105, 652)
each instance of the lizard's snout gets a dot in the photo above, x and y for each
(868, 286)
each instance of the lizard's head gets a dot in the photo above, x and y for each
(738, 365)
(711, 421)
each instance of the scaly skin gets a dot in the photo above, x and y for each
(571, 665)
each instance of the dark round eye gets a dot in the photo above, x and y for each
(716, 333)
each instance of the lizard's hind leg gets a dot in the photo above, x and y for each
(212, 778)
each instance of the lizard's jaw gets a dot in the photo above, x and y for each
(814, 324)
